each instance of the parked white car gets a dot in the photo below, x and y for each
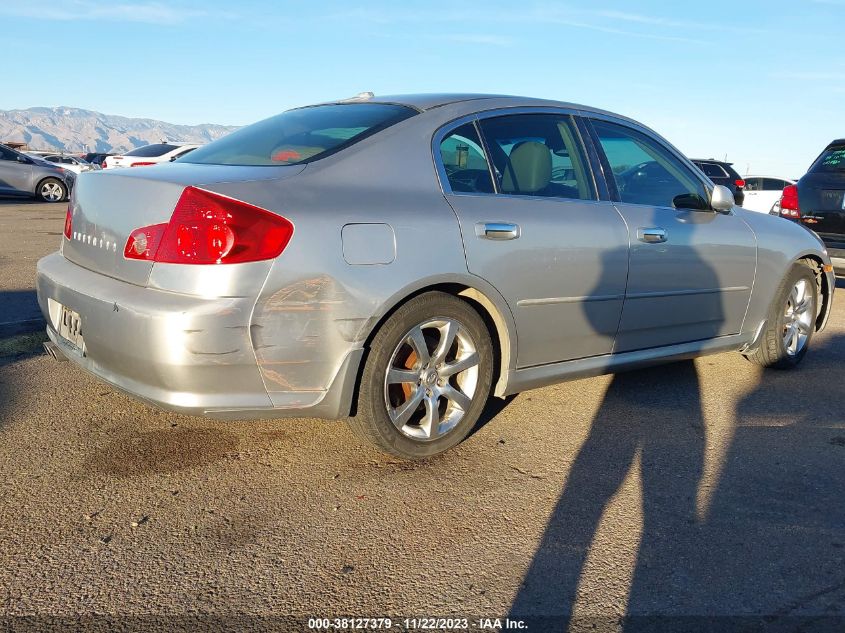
(763, 192)
(150, 155)
(71, 163)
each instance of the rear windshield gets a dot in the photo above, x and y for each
(300, 136)
(157, 149)
(832, 159)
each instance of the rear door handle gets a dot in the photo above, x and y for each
(652, 235)
(497, 230)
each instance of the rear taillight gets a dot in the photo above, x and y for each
(69, 222)
(739, 183)
(207, 228)
(789, 202)
(141, 164)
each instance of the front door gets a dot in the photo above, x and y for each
(691, 272)
(539, 235)
(15, 176)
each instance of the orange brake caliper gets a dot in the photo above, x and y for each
(409, 364)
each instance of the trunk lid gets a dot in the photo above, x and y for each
(822, 202)
(109, 205)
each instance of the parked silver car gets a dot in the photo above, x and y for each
(22, 175)
(399, 259)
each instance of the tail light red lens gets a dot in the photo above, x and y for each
(69, 222)
(739, 183)
(208, 228)
(789, 202)
(143, 243)
(141, 164)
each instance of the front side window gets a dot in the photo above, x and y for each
(7, 154)
(646, 172)
(464, 161)
(538, 155)
(300, 136)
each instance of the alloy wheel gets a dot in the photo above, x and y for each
(52, 192)
(431, 379)
(798, 317)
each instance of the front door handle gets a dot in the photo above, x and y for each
(497, 230)
(652, 235)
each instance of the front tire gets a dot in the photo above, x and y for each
(51, 190)
(426, 379)
(790, 322)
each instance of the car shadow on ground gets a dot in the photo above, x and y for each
(768, 550)
(21, 200)
(21, 336)
(492, 409)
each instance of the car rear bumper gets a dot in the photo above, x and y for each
(179, 352)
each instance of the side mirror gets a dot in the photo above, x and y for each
(21, 159)
(690, 201)
(722, 199)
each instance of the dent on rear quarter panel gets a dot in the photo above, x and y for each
(316, 307)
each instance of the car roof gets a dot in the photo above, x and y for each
(839, 141)
(768, 176)
(424, 101)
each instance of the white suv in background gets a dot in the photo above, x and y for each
(150, 155)
(762, 192)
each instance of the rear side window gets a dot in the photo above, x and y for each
(831, 160)
(733, 174)
(538, 155)
(300, 136)
(712, 170)
(646, 172)
(753, 184)
(773, 184)
(464, 161)
(156, 149)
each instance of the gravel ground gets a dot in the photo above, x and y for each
(699, 488)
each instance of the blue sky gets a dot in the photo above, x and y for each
(762, 82)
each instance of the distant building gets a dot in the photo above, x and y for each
(18, 145)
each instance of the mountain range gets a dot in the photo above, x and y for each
(77, 130)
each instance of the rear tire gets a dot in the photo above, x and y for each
(790, 322)
(51, 190)
(426, 379)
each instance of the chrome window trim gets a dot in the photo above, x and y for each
(476, 118)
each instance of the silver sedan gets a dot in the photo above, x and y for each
(398, 260)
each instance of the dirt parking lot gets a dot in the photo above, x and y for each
(699, 488)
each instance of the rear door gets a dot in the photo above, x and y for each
(771, 192)
(690, 272)
(534, 227)
(754, 201)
